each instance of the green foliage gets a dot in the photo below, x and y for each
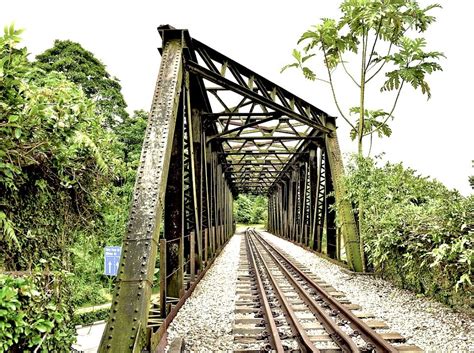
(250, 209)
(131, 134)
(84, 69)
(412, 65)
(365, 30)
(108, 228)
(50, 158)
(65, 181)
(34, 313)
(373, 121)
(91, 316)
(65, 186)
(416, 231)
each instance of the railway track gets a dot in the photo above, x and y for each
(282, 307)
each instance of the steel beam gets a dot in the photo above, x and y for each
(245, 92)
(125, 329)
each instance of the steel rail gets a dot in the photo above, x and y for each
(338, 336)
(303, 339)
(274, 336)
(367, 334)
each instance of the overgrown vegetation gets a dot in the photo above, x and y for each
(35, 314)
(250, 209)
(68, 156)
(91, 316)
(416, 232)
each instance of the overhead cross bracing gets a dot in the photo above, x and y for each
(260, 126)
(217, 129)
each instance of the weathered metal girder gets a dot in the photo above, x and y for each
(125, 329)
(217, 129)
(270, 127)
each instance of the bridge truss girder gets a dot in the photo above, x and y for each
(217, 129)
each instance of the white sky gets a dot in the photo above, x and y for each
(435, 137)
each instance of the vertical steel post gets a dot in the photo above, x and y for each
(206, 245)
(331, 242)
(174, 219)
(192, 255)
(193, 123)
(125, 329)
(314, 183)
(349, 228)
(163, 286)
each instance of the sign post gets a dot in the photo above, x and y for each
(112, 260)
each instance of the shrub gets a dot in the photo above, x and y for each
(416, 232)
(33, 313)
(91, 316)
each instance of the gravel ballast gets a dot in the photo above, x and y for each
(205, 320)
(430, 325)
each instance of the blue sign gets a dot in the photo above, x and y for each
(112, 260)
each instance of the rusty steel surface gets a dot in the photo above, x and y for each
(274, 337)
(131, 300)
(344, 341)
(299, 332)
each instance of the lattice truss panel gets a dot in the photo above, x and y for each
(260, 126)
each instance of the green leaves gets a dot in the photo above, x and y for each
(375, 121)
(52, 140)
(300, 59)
(26, 315)
(11, 36)
(43, 325)
(250, 209)
(62, 176)
(377, 32)
(81, 140)
(416, 231)
(413, 65)
(65, 183)
(81, 67)
(7, 231)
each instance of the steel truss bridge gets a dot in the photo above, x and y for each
(217, 129)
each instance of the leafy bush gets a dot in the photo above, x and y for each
(89, 317)
(415, 231)
(50, 162)
(65, 180)
(33, 313)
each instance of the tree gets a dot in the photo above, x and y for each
(113, 194)
(131, 134)
(259, 209)
(83, 68)
(250, 209)
(243, 209)
(49, 150)
(381, 36)
(52, 172)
